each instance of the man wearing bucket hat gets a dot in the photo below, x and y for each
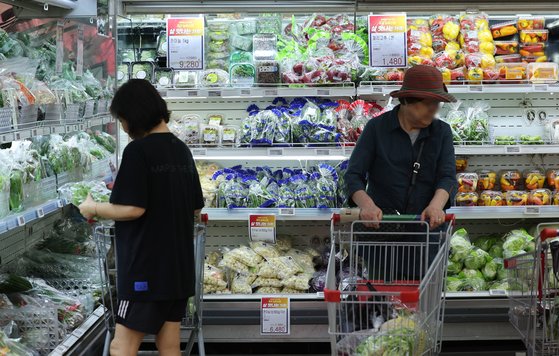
(404, 161)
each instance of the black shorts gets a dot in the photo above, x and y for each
(149, 317)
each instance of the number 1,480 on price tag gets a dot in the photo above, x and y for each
(388, 40)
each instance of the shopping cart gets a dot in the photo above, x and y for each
(384, 286)
(104, 238)
(534, 293)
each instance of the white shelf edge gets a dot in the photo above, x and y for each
(241, 214)
(256, 297)
(81, 330)
(385, 89)
(504, 212)
(20, 219)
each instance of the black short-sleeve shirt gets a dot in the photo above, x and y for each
(155, 253)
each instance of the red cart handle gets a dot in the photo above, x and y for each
(204, 218)
(405, 296)
(348, 215)
(548, 233)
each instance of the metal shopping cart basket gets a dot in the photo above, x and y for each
(384, 286)
(534, 293)
(104, 236)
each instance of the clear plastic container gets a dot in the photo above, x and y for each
(163, 77)
(230, 135)
(264, 46)
(219, 46)
(542, 72)
(533, 36)
(122, 73)
(269, 24)
(534, 179)
(517, 198)
(218, 35)
(540, 197)
(240, 57)
(215, 119)
(510, 180)
(218, 25)
(510, 58)
(552, 177)
(467, 182)
(242, 74)
(504, 29)
(509, 72)
(245, 27)
(491, 198)
(185, 78)
(467, 199)
(267, 71)
(210, 135)
(533, 52)
(506, 47)
(243, 43)
(461, 164)
(486, 179)
(142, 70)
(213, 78)
(530, 23)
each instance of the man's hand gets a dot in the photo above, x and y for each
(87, 208)
(435, 215)
(371, 213)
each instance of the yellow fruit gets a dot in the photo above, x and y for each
(452, 46)
(487, 61)
(487, 48)
(451, 30)
(426, 40)
(541, 59)
(482, 24)
(427, 52)
(446, 75)
(485, 36)
(475, 74)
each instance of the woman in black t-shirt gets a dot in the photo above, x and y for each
(155, 198)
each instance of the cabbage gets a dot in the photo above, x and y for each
(474, 284)
(454, 267)
(453, 284)
(490, 270)
(496, 251)
(509, 254)
(517, 240)
(501, 271)
(530, 246)
(499, 285)
(485, 243)
(460, 246)
(470, 273)
(476, 259)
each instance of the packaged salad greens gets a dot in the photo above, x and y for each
(229, 136)
(162, 44)
(185, 78)
(148, 55)
(142, 70)
(268, 24)
(213, 78)
(76, 193)
(240, 57)
(163, 77)
(243, 43)
(245, 27)
(242, 74)
(210, 135)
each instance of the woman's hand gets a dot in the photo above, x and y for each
(435, 215)
(88, 208)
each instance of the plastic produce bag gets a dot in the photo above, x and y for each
(76, 193)
(267, 282)
(268, 290)
(282, 267)
(265, 249)
(241, 284)
(244, 255)
(460, 246)
(214, 276)
(299, 282)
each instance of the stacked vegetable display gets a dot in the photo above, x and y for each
(531, 187)
(478, 266)
(263, 268)
(33, 311)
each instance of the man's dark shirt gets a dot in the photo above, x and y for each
(382, 162)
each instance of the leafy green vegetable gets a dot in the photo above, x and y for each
(14, 284)
(460, 246)
(490, 270)
(505, 140)
(454, 267)
(454, 284)
(485, 243)
(16, 190)
(496, 250)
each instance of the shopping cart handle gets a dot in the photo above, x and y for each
(549, 234)
(349, 215)
(204, 218)
(332, 296)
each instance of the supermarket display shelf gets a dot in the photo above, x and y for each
(504, 212)
(44, 128)
(13, 221)
(73, 340)
(255, 297)
(371, 88)
(333, 153)
(506, 150)
(293, 214)
(272, 153)
(258, 92)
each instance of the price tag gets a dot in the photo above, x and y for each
(388, 40)
(498, 292)
(60, 203)
(163, 93)
(40, 213)
(199, 152)
(82, 127)
(513, 149)
(377, 89)
(60, 350)
(541, 87)
(214, 93)
(17, 136)
(246, 92)
(185, 43)
(275, 316)
(323, 92)
(192, 93)
(34, 133)
(8, 138)
(286, 211)
(20, 220)
(532, 210)
(262, 227)
(322, 152)
(475, 89)
(275, 151)
(68, 128)
(271, 92)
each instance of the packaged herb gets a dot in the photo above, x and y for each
(162, 44)
(185, 78)
(268, 24)
(215, 119)
(241, 42)
(264, 46)
(245, 27)
(229, 136)
(242, 74)
(211, 135)
(241, 57)
(148, 55)
(213, 78)
(142, 70)
(128, 55)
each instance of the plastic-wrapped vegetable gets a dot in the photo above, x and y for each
(460, 246)
(267, 282)
(245, 27)
(244, 255)
(142, 70)
(163, 77)
(242, 74)
(78, 192)
(241, 284)
(214, 276)
(265, 249)
(299, 282)
(213, 78)
(283, 243)
(241, 42)
(476, 259)
(268, 290)
(235, 265)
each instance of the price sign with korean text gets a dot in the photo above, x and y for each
(185, 43)
(388, 41)
(275, 316)
(262, 228)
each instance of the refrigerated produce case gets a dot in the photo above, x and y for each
(57, 79)
(518, 107)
